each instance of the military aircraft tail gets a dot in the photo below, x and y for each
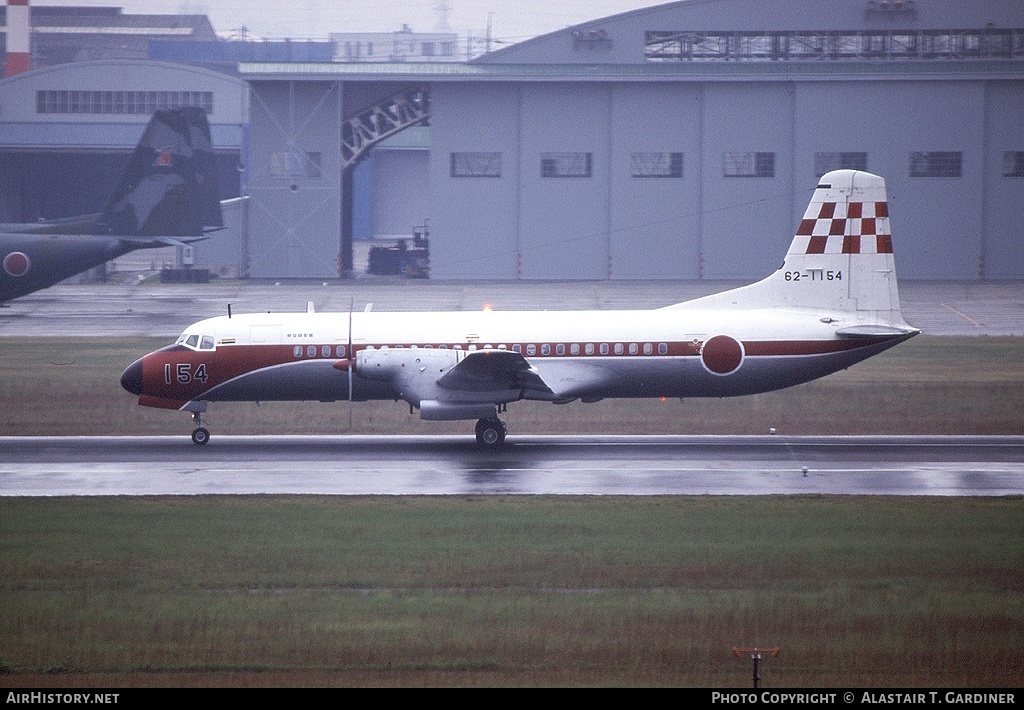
(840, 260)
(169, 188)
(168, 195)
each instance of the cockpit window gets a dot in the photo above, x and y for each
(197, 342)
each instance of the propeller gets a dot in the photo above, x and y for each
(349, 362)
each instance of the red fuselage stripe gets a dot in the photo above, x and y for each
(179, 373)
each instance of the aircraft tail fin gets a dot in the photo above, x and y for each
(840, 260)
(169, 188)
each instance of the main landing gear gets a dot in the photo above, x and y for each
(200, 435)
(490, 433)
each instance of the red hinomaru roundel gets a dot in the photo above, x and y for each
(17, 263)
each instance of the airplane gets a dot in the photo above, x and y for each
(167, 195)
(833, 303)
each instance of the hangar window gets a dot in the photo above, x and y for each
(1013, 163)
(748, 165)
(294, 164)
(827, 162)
(936, 164)
(470, 165)
(566, 165)
(831, 45)
(119, 102)
(657, 165)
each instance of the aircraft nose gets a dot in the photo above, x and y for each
(131, 378)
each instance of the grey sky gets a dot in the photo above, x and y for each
(512, 20)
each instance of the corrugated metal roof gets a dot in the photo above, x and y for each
(650, 71)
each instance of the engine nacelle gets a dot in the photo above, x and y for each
(401, 365)
(412, 372)
(432, 410)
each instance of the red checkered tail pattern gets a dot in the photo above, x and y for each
(840, 264)
(849, 214)
(841, 256)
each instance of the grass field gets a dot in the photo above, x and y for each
(522, 591)
(924, 386)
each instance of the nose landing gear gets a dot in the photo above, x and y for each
(200, 435)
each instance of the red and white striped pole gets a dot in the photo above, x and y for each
(19, 51)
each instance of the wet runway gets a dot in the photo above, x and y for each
(528, 465)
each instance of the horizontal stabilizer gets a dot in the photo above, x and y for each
(855, 332)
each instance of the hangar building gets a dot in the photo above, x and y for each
(680, 141)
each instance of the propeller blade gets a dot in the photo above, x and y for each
(351, 360)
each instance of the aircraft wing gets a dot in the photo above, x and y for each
(489, 370)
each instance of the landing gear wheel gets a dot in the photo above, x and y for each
(490, 433)
(200, 435)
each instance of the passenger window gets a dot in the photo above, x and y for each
(589, 349)
(517, 348)
(297, 351)
(325, 351)
(633, 349)
(663, 348)
(618, 348)
(531, 349)
(339, 351)
(574, 349)
(648, 348)
(560, 349)
(604, 348)
(545, 349)
(311, 351)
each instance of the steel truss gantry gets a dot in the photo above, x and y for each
(370, 125)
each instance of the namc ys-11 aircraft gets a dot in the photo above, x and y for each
(168, 195)
(833, 303)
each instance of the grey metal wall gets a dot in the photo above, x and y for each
(295, 208)
(1002, 198)
(400, 197)
(706, 225)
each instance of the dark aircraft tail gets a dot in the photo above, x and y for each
(167, 195)
(169, 188)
